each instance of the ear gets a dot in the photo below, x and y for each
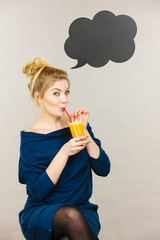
(37, 97)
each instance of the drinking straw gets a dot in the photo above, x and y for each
(68, 114)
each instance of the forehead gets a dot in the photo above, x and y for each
(59, 83)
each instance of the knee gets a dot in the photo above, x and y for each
(72, 214)
(74, 219)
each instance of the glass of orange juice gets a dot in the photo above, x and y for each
(76, 128)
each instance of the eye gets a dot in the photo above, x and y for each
(67, 92)
(56, 93)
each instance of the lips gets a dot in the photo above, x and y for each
(62, 109)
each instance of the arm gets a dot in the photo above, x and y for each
(98, 158)
(40, 181)
(57, 165)
(92, 148)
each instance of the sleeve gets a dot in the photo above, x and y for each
(31, 173)
(101, 165)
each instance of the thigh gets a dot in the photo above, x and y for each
(91, 214)
(70, 221)
(36, 222)
(67, 219)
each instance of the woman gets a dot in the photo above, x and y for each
(55, 167)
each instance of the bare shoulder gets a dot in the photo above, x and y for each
(38, 128)
(28, 130)
(33, 128)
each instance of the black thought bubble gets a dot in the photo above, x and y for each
(106, 37)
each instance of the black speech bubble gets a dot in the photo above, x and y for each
(106, 37)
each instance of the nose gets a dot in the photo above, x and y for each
(64, 98)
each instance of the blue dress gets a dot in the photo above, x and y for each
(74, 186)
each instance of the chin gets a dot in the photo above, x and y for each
(61, 114)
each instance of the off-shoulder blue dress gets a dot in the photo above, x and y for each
(74, 186)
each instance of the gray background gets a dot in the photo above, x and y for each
(123, 99)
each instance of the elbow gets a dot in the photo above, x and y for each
(36, 198)
(35, 195)
(107, 168)
(106, 171)
(39, 189)
(106, 165)
(102, 167)
(102, 172)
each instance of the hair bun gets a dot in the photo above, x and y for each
(31, 68)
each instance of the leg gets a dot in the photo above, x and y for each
(71, 223)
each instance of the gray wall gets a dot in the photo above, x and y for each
(123, 99)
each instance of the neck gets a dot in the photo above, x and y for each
(50, 123)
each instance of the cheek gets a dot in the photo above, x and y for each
(68, 98)
(51, 101)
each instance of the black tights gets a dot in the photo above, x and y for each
(70, 224)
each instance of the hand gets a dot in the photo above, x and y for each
(74, 146)
(82, 115)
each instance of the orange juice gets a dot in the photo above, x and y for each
(76, 129)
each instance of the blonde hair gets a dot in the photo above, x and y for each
(42, 75)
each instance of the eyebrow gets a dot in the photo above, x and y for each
(58, 89)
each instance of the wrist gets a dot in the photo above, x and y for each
(63, 153)
(88, 135)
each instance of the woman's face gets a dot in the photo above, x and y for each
(55, 99)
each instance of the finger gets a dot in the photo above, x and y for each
(79, 138)
(79, 143)
(80, 111)
(77, 111)
(72, 114)
(84, 111)
(82, 143)
(78, 149)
